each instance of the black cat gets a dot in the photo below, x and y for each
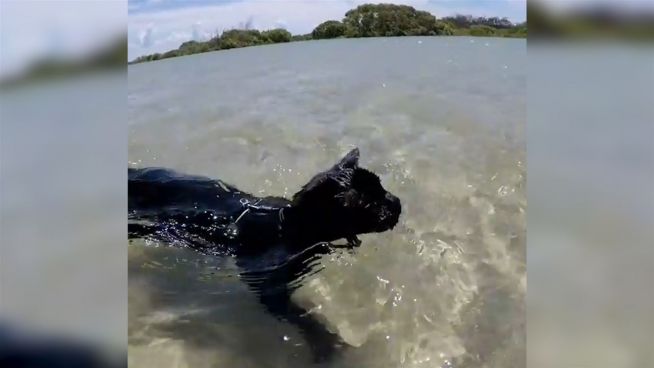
(275, 241)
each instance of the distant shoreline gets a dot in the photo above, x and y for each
(133, 62)
(364, 21)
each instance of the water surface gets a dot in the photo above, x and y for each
(440, 120)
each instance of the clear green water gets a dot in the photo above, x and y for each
(441, 120)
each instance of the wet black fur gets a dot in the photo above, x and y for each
(276, 241)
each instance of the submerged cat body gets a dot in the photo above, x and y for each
(339, 203)
(275, 241)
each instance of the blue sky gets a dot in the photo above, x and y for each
(161, 25)
(31, 30)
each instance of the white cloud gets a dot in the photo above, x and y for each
(145, 36)
(281, 23)
(298, 17)
(30, 30)
(196, 34)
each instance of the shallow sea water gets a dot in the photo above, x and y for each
(441, 120)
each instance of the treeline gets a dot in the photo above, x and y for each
(369, 20)
(109, 57)
(467, 21)
(591, 21)
(388, 20)
(481, 26)
(231, 39)
(382, 20)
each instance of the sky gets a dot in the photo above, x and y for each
(31, 30)
(162, 25)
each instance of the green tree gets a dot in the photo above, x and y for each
(192, 47)
(227, 44)
(277, 35)
(444, 28)
(304, 37)
(169, 54)
(481, 30)
(382, 20)
(368, 20)
(329, 29)
(240, 38)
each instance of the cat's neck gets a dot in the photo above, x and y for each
(296, 227)
(304, 227)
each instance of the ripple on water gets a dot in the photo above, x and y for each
(444, 289)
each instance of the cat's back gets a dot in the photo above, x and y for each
(165, 189)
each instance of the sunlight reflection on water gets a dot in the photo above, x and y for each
(445, 288)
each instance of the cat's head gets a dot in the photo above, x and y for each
(347, 200)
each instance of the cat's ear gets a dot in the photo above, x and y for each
(350, 161)
(319, 188)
